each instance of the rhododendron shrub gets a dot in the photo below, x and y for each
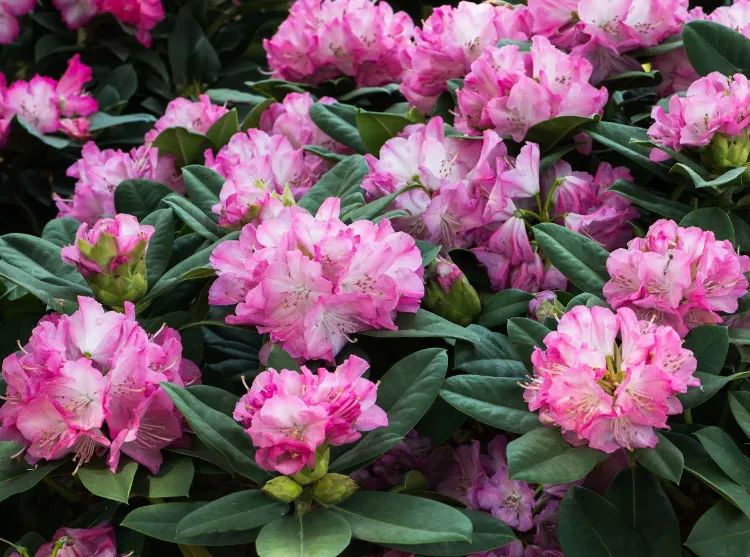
(374, 278)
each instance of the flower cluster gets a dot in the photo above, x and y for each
(510, 90)
(606, 393)
(49, 105)
(99, 172)
(450, 40)
(10, 11)
(481, 482)
(471, 194)
(324, 39)
(141, 14)
(311, 282)
(89, 382)
(681, 277)
(79, 542)
(713, 115)
(111, 256)
(290, 414)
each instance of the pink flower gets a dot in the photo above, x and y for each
(289, 415)
(311, 282)
(10, 11)
(35, 101)
(607, 393)
(450, 40)
(77, 13)
(143, 14)
(510, 91)
(195, 116)
(81, 372)
(99, 172)
(677, 72)
(736, 16)
(291, 118)
(678, 276)
(125, 240)
(324, 39)
(81, 542)
(72, 99)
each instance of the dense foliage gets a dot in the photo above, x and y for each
(350, 277)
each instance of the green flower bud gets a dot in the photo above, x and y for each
(306, 475)
(449, 294)
(725, 153)
(334, 488)
(282, 488)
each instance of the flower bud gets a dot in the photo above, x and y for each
(306, 475)
(449, 293)
(282, 488)
(545, 305)
(334, 488)
(112, 258)
(725, 153)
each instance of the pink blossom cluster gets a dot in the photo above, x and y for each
(49, 105)
(606, 393)
(289, 414)
(269, 163)
(736, 16)
(127, 238)
(89, 382)
(99, 172)
(79, 542)
(510, 90)
(10, 11)
(325, 39)
(681, 277)
(471, 194)
(141, 14)
(714, 104)
(313, 281)
(195, 116)
(450, 40)
(481, 482)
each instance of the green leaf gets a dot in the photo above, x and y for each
(542, 456)
(495, 401)
(343, 180)
(711, 219)
(722, 449)
(424, 324)
(549, 133)
(739, 403)
(187, 147)
(236, 512)
(494, 355)
(61, 231)
(499, 307)
(101, 121)
(722, 531)
(374, 209)
(252, 120)
(640, 498)
(223, 96)
(710, 344)
(729, 178)
(58, 298)
(193, 217)
(710, 385)
(203, 187)
(591, 526)
(487, 533)
(632, 80)
(650, 201)
(665, 460)
(525, 334)
(387, 89)
(16, 476)
(406, 392)
(429, 251)
(393, 518)
(579, 258)
(160, 245)
(339, 121)
(139, 197)
(100, 481)
(712, 47)
(219, 432)
(223, 129)
(630, 142)
(173, 480)
(699, 464)
(375, 128)
(319, 533)
(160, 522)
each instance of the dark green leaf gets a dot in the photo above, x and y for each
(339, 121)
(139, 197)
(61, 231)
(712, 47)
(632, 80)
(160, 245)
(629, 142)
(187, 147)
(711, 219)
(424, 324)
(319, 533)
(499, 307)
(375, 128)
(722, 449)
(203, 187)
(223, 129)
(729, 178)
(709, 344)
(739, 403)
(173, 480)
(665, 460)
(343, 180)
(193, 217)
(549, 133)
(722, 531)
(252, 120)
(525, 334)
(16, 476)
(655, 203)
(100, 481)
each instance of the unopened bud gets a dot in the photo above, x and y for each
(332, 489)
(449, 293)
(282, 488)
(725, 152)
(306, 475)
